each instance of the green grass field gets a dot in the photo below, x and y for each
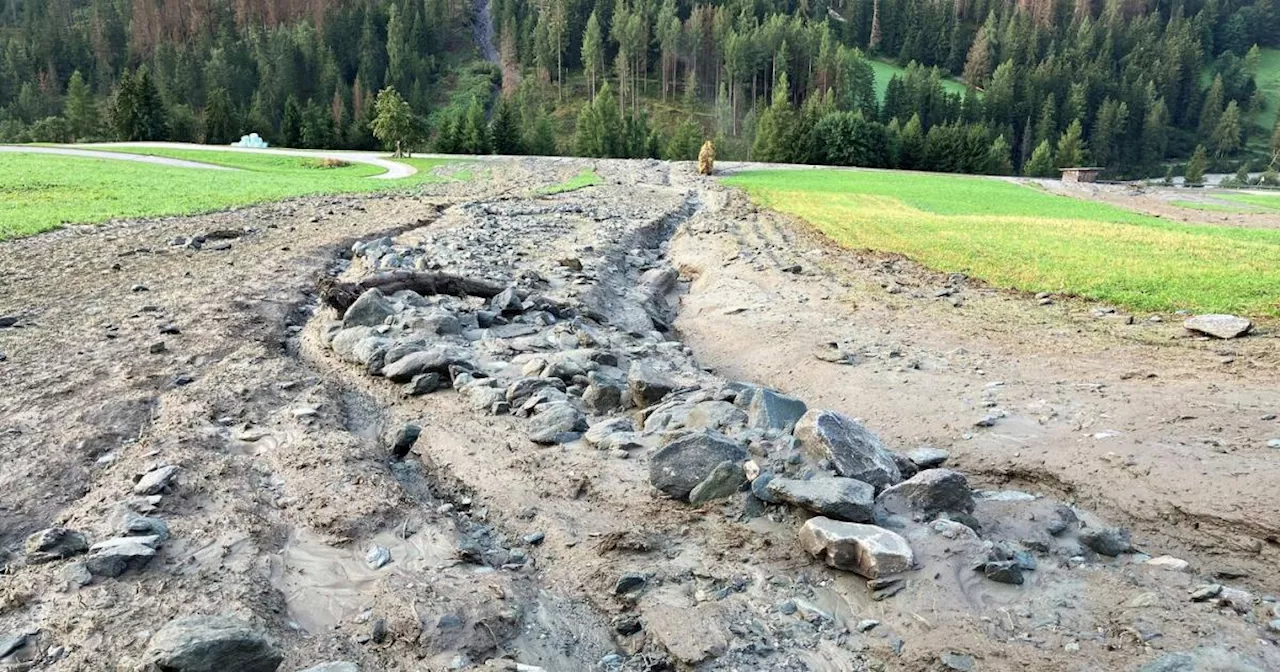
(582, 180)
(1256, 200)
(885, 72)
(1026, 239)
(40, 192)
(1269, 83)
(1211, 207)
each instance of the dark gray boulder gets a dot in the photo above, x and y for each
(1109, 541)
(773, 410)
(834, 497)
(557, 422)
(851, 448)
(212, 644)
(646, 385)
(678, 467)
(54, 543)
(929, 492)
(370, 310)
(435, 359)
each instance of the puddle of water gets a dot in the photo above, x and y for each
(324, 585)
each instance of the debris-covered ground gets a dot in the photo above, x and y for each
(638, 426)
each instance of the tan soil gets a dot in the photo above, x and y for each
(1137, 422)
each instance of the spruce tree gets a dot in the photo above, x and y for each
(504, 129)
(291, 126)
(1227, 136)
(1197, 166)
(685, 142)
(592, 52)
(997, 159)
(220, 127)
(81, 111)
(1071, 150)
(1041, 162)
(774, 132)
(540, 136)
(475, 130)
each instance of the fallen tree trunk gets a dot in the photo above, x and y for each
(340, 295)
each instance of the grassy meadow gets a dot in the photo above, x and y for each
(39, 192)
(1017, 237)
(582, 180)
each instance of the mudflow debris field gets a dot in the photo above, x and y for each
(636, 426)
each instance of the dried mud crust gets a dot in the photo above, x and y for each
(285, 481)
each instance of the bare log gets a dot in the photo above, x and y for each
(340, 295)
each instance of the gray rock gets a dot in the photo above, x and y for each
(129, 523)
(1171, 662)
(681, 465)
(423, 383)
(155, 481)
(603, 429)
(1004, 571)
(629, 583)
(405, 438)
(835, 497)
(507, 302)
(926, 457)
(377, 557)
(117, 556)
(957, 662)
(212, 644)
(1206, 592)
(929, 492)
(723, 481)
(435, 359)
(1063, 519)
(718, 415)
(647, 386)
(773, 410)
(11, 643)
(522, 389)
(54, 543)
(852, 449)
(1107, 541)
(370, 310)
(557, 422)
(867, 550)
(1219, 326)
(338, 666)
(602, 395)
(347, 341)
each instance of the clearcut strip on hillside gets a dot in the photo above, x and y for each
(1020, 238)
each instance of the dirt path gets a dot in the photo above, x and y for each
(135, 349)
(395, 170)
(113, 156)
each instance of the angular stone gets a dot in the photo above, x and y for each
(155, 481)
(522, 389)
(691, 635)
(835, 497)
(602, 395)
(717, 415)
(853, 450)
(435, 359)
(347, 341)
(723, 481)
(681, 465)
(405, 438)
(119, 556)
(926, 457)
(370, 310)
(1006, 571)
(506, 302)
(866, 550)
(929, 492)
(1107, 541)
(646, 385)
(557, 422)
(54, 543)
(423, 383)
(212, 644)
(773, 410)
(601, 430)
(1169, 562)
(1219, 326)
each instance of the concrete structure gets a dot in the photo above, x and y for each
(1080, 174)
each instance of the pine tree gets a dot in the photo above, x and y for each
(588, 138)
(393, 123)
(1211, 110)
(1226, 137)
(1041, 162)
(1155, 133)
(1071, 150)
(912, 145)
(540, 137)
(81, 111)
(592, 52)
(1047, 124)
(774, 132)
(997, 159)
(475, 130)
(291, 126)
(685, 142)
(1197, 166)
(977, 67)
(504, 129)
(220, 127)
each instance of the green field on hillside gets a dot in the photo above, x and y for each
(39, 192)
(1269, 83)
(1026, 239)
(582, 180)
(885, 72)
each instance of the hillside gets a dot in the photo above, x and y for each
(1053, 83)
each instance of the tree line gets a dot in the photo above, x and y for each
(1124, 84)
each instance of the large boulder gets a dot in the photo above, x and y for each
(54, 543)
(212, 644)
(435, 359)
(835, 497)
(370, 310)
(852, 449)
(723, 481)
(114, 557)
(867, 550)
(718, 415)
(646, 385)
(603, 394)
(774, 410)
(1219, 326)
(678, 467)
(557, 422)
(929, 492)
